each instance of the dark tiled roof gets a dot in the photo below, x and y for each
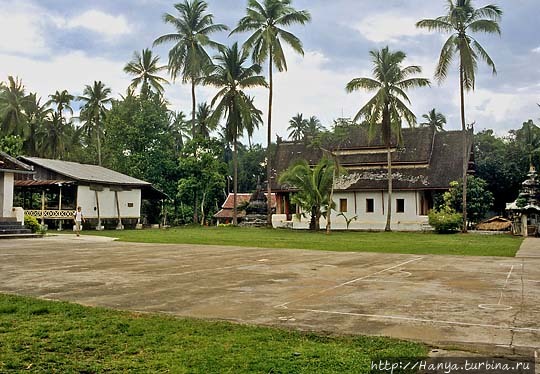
(425, 160)
(8, 163)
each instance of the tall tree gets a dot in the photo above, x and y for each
(37, 115)
(266, 20)
(434, 119)
(389, 105)
(297, 127)
(528, 137)
(314, 187)
(96, 99)
(232, 77)
(12, 104)
(256, 121)
(461, 20)
(180, 129)
(61, 100)
(313, 127)
(54, 137)
(203, 120)
(145, 68)
(188, 57)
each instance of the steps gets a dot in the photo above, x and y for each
(9, 227)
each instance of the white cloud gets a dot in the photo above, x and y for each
(71, 71)
(488, 107)
(307, 87)
(388, 27)
(97, 21)
(536, 50)
(20, 27)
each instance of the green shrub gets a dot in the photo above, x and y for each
(445, 220)
(31, 223)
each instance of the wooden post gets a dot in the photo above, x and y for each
(524, 228)
(119, 226)
(42, 207)
(60, 206)
(98, 227)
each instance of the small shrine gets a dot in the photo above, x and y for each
(256, 211)
(525, 211)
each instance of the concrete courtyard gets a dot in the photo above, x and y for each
(485, 303)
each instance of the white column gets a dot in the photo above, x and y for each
(6, 194)
(524, 228)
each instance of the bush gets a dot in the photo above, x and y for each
(445, 220)
(31, 223)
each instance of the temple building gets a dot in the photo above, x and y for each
(423, 165)
(225, 215)
(56, 188)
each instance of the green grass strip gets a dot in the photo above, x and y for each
(46, 337)
(383, 242)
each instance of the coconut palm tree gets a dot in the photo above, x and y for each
(37, 114)
(188, 57)
(460, 21)
(232, 77)
(313, 187)
(297, 127)
(267, 19)
(389, 105)
(53, 142)
(313, 127)
(256, 121)
(203, 123)
(180, 129)
(61, 100)
(145, 68)
(12, 107)
(434, 119)
(95, 99)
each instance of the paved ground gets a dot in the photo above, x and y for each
(529, 248)
(492, 303)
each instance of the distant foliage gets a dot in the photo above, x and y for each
(12, 145)
(445, 220)
(479, 198)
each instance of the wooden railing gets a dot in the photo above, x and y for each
(51, 214)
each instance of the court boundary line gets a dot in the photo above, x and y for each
(423, 320)
(284, 305)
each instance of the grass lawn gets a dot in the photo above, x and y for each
(394, 242)
(44, 336)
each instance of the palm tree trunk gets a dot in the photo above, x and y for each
(193, 108)
(330, 200)
(98, 143)
(196, 208)
(269, 141)
(313, 223)
(389, 208)
(235, 183)
(465, 147)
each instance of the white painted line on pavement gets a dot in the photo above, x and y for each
(423, 320)
(284, 305)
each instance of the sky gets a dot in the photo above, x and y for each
(65, 44)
